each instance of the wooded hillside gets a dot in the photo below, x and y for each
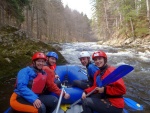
(46, 20)
(121, 18)
(50, 21)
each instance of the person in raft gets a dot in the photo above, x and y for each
(84, 58)
(111, 99)
(52, 58)
(30, 83)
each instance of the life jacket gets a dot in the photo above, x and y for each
(115, 100)
(37, 85)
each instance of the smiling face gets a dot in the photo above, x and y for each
(84, 61)
(52, 60)
(99, 61)
(39, 63)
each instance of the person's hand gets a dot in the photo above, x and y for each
(56, 76)
(100, 89)
(66, 96)
(83, 95)
(37, 103)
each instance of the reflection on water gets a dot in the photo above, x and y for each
(5, 93)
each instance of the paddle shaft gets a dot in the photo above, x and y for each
(81, 99)
(59, 101)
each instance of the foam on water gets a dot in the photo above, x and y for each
(73, 49)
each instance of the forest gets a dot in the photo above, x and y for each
(52, 22)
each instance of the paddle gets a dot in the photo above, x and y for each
(131, 103)
(134, 105)
(118, 73)
(112, 77)
(80, 99)
(125, 111)
(60, 98)
(59, 101)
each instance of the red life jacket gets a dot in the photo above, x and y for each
(37, 84)
(115, 88)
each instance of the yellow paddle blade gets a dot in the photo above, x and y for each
(64, 107)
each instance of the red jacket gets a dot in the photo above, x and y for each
(52, 87)
(114, 89)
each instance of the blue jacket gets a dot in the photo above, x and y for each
(91, 69)
(24, 76)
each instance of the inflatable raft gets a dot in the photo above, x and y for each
(67, 74)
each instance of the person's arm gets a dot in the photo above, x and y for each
(22, 83)
(51, 86)
(88, 90)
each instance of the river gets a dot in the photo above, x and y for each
(137, 82)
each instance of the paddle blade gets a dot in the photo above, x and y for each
(134, 105)
(8, 110)
(117, 74)
(125, 111)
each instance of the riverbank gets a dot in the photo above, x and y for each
(16, 51)
(140, 44)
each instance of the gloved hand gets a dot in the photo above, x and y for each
(98, 81)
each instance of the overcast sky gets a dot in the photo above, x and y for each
(80, 5)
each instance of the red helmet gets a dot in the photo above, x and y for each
(99, 54)
(38, 55)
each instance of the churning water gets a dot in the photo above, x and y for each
(137, 82)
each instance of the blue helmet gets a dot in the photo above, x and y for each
(52, 54)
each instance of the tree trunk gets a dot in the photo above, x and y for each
(37, 25)
(105, 15)
(1, 16)
(133, 34)
(106, 20)
(27, 22)
(148, 11)
(32, 19)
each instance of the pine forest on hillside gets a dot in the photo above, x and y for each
(46, 20)
(128, 17)
(50, 21)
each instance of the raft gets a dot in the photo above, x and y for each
(67, 74)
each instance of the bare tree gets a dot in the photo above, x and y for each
(148, 10)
